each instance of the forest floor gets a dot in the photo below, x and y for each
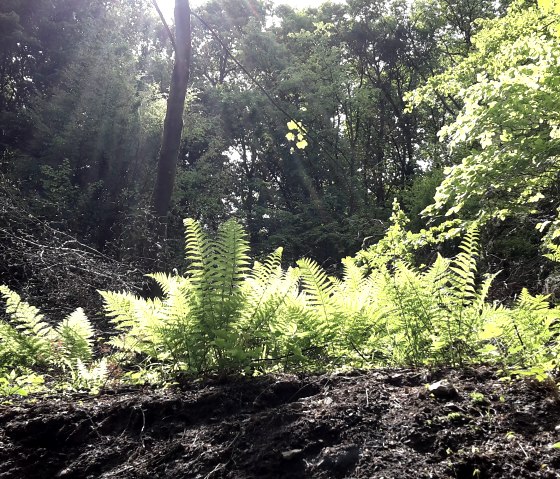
(374, 424)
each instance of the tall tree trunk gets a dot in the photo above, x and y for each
(173, 125)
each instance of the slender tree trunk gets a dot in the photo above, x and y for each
(173, 125)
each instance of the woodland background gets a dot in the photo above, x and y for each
(83, 88)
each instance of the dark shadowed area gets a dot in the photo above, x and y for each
(382, 423)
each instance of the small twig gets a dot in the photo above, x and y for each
(519, 335)
(94, 425)
(359, 353)
(143, 426)
(523, 449)
(216, 469)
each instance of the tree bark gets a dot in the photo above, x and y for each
(173, 124)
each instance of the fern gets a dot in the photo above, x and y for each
(427, 316)
(224, 315)
(76, 337)
(318, 290)
(229, 271)
(466, 312)
(197, 250)
(26, 341)
(39, 343)
(91, 377)
(463, 281)
(530, 327)
(218, 292)
(261, 331)
(362, 327)
(219, 316)
(416, 307)
(140, 322)
(21, 383)
(30, 337)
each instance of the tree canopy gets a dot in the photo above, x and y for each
(304, 124)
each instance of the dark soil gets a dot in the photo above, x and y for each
(376, 424)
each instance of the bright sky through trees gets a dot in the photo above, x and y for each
(167, 5)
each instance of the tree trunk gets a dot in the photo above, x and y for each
(173, 125)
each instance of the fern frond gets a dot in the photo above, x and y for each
(270, 266)
(318, 289)
(92, 377)
(354, 278)
(526, 334)
(197, 249)
(316, 284)
(528, 302)
(120, 307)
(14, 350)
(263, 290)
(141, 321)
(463, 267)
(230, 270)
(294, 330)
(482, 295)
(76, 333)
(437, 274)
(177, 327)
(261, 328)
(166, 282)
(35, 336)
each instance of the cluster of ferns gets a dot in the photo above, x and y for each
(229, 315)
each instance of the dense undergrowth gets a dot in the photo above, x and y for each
(230, 315)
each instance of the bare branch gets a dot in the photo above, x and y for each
(169, 32)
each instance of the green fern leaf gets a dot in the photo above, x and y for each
(318, 290)
(75, 334)
(197, 249)
(33, 336)
(463, 267)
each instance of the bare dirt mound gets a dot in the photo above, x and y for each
(376, 424)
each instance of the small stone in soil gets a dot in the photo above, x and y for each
(341, 458)
(292, 454)
(443, 390)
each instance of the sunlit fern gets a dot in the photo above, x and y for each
(27, 340)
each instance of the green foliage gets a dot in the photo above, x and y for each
(549, 6)
(225, 316)
(89, 377)
(524, 338)
(477, 397)
(296, 132)
(92, 95)
(400, 243)
(222, 315)
(21, 384)
(505, 137)
(432, 315)
(27, 342)
(317, 294)
(74, 337)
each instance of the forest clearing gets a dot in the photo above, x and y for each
(245, 240)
